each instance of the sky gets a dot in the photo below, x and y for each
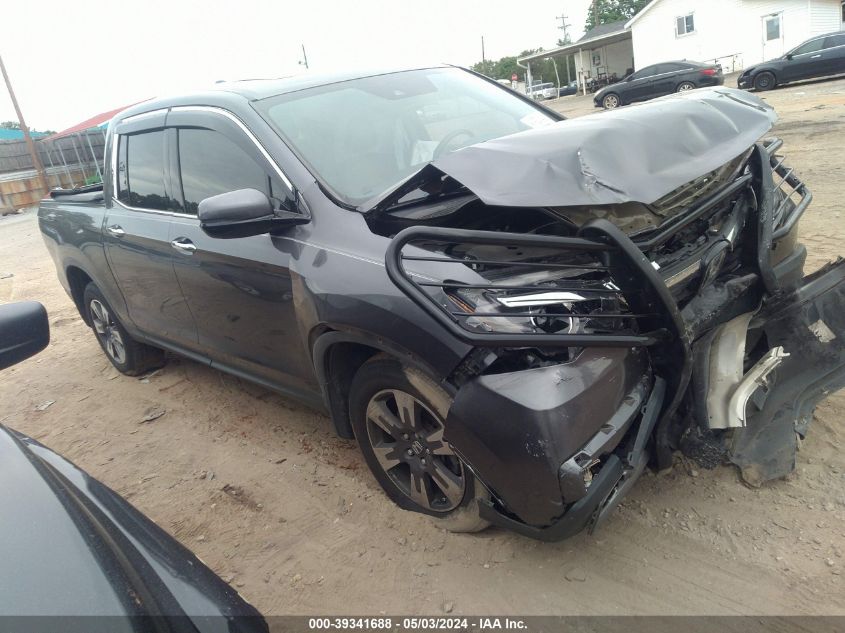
(71, 60)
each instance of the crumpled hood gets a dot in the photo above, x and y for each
(634, 154)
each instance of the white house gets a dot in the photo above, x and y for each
(734, 33)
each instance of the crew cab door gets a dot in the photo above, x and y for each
(136, 229)
(240, 290)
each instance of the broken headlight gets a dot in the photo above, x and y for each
(517, 305)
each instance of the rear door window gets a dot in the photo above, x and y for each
(211, 164)
(834, 40)
(140, 171)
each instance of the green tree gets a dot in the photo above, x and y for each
(541, 70)
(10, 125)
(606, 11)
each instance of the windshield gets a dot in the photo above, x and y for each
(363, 137)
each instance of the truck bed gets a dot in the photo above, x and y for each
(88, 193)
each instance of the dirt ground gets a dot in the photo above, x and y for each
(261, 489)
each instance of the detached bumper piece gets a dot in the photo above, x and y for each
(809, 324)
(605, 489)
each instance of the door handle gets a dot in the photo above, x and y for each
(183, 245)
(115, 230)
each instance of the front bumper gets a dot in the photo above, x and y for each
(745, 82)
(606, 488)
(531, 435)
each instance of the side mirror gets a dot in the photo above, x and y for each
(24, 331)
(789, 55)
(242, 213)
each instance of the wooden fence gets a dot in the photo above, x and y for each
(69, 162)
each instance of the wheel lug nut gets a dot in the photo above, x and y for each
(404, 436)
(422, 461)
(409, 453)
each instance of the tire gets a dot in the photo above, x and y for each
(127, 355)
(684, 86)
(611, 101)
(765, 81)
(414, 465)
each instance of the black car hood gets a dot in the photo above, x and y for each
(634, 154)
(73, 547)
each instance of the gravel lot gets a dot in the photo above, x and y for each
(260, 489)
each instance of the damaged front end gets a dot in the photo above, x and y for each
(621, 308)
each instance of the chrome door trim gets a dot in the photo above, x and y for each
(208, 109)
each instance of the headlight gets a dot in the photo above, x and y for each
(507, 290)
(519, 304)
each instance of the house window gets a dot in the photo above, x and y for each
(684, 25)
(773, 27)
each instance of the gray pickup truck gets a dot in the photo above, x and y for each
(513, 314)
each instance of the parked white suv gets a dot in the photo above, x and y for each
(543, 91)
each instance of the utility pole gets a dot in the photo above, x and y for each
(483, 57)
(565, 28)
(595, 13)
(304, 60)
(33, 153)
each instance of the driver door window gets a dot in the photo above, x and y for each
(211, 164)
(810, 47)
(648, 71)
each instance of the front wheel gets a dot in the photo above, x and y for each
(764, 81)
(127, 355)
(398, 415)
(610, 101)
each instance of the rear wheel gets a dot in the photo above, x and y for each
(610, 101)
(765, 81)
(398, 416)
(686, 85)
(128, 355)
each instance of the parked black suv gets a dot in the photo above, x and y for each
(512, 314)
(819, 56)
(658, 80)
